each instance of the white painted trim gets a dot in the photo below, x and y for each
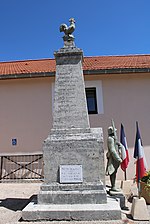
(99, 93)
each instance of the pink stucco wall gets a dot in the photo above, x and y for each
(25, 114)
(26, 111)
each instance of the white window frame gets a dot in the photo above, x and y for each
(99, 93)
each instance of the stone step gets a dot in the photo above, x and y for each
(81, 212)
(68, 187)
(72, 197)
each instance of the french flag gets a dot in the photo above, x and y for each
(124, 151)
(141, 165)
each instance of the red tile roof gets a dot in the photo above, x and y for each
(27, 67)
(96, 63)
(117, 62)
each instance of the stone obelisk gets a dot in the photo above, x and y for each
(73, 152)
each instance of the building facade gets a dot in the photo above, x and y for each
(117, 87)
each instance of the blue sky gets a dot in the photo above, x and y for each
(29, 29)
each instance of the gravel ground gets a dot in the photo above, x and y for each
(15, 196)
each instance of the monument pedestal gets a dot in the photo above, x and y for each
(74, 176)
(72, 194)
(83, 150)
(68, 212)
(84, 198)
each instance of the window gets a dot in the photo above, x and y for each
(96, 84)
(91, 100)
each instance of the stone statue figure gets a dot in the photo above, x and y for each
(68, 30)
(113, 156)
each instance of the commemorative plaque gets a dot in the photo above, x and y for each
(71, 174)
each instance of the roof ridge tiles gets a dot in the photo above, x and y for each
(126, 55)
(26, 60)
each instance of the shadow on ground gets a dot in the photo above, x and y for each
(16, 204)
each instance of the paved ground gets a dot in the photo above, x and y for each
(15, 196)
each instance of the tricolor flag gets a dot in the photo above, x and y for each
(124, 151)
(139, 156)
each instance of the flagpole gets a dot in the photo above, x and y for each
(138, 169)
(139, 184)
(125, 175)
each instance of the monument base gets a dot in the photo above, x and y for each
(67, 212)
(87, 193)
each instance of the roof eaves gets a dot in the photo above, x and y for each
(27, 75)
(117, 71)
(85, 72)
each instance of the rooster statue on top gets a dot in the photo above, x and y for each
(68, 30)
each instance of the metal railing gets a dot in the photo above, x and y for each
(21, 167)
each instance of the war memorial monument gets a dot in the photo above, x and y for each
(74, 173)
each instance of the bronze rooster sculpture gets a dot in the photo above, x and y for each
(68, 30)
